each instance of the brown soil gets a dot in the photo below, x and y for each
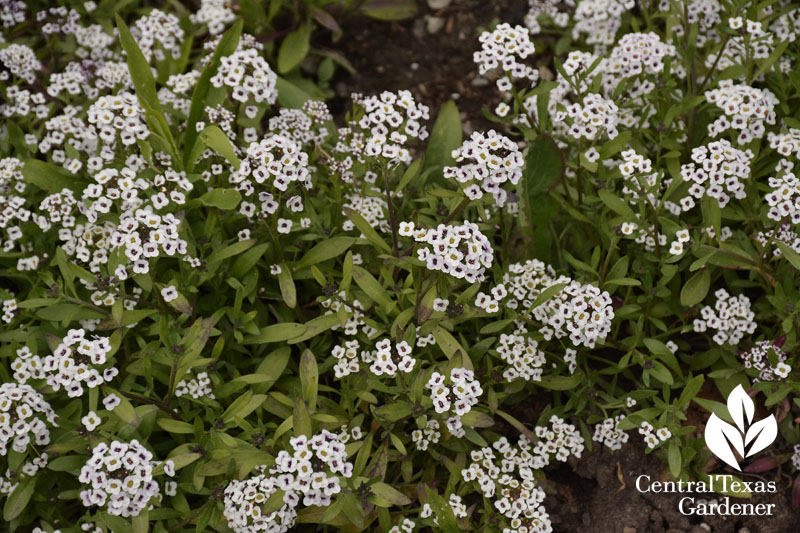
(435, 67)
(596, 494)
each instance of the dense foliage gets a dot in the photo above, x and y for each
(223, 309)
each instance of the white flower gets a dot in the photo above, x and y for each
(169, 293)
(489, 161)
(406, 229)
(111, 401)
(676, 248)
(782, 370)
(120, 478)
(91, 421)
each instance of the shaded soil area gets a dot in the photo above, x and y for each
(598, 493)
(431, 55)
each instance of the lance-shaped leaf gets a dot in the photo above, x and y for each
(718, 434)
(762, 434)
(741, 408)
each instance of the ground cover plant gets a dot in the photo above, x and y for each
(225, 308)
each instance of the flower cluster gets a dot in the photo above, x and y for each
(609, 433)
(308, 472)
(599, 20)
(121, 478)
(583, 312)
(731, 317)
(158, 34)
(758, 358)
(461, 251)
(454, 395)
(717, 171)
(20, 61)
(74, 363)
(592, 117)
(524, 356)
(388, 123)
(784, 198)
(636, 54)
(270, 167)
(346, 358)
(353, 309)
(306, 125)
(12, 12)
(745, 108)
(216, 13)
(654, 438)
(388, 358)
(24, 418)
(196, 387)
(506, 474)
(426, 436)
(505, 49)
(249, 75)
(371, 205)
(10, 310)
(487, 161)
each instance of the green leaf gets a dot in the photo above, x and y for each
(367, 230)
(448, 344)
(286, 283)
(394, 411)
(141, 522)
(316, 326)
(370, 285)
(544, 165)
(141, 75)
(114, 523)
(777, 52)
(389, 9)
(293, 93)
(690, 390)
(327, 249)
(696, 288)
(519, 426)
(443, 512)
(390, 494)
(230, 250)
(476, 419)
(225, 199)
(674, 458)
(548, 293)
(124, 410)
(213, 137)
(294, 48)
(19, 498)
(227, 46)
(615, 203)
(67, 312)
(789, 253)
(175, 426)
(145, 87)
(301, 421)
(49, 177)
(245, 262)
(445, 137)
(561, 382)
(309, 378)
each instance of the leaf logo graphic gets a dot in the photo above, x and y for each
(746, 437)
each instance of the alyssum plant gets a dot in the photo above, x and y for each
(223, 311)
